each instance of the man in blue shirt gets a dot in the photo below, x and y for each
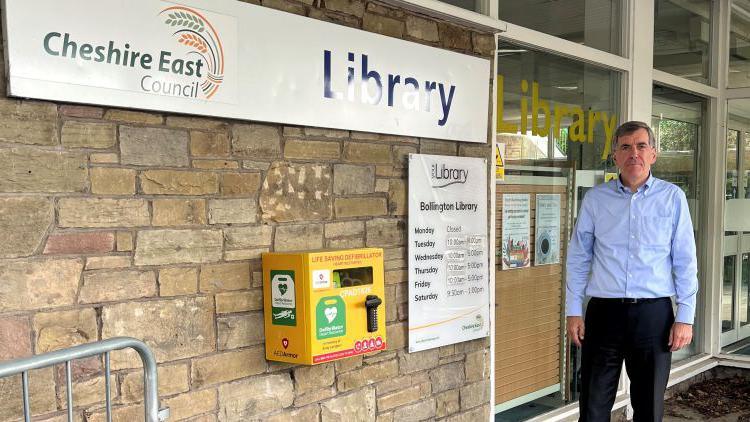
(631, 252)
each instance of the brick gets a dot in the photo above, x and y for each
(239, 301)
(28, 122)
(191, 403)
(77, 134)
(24, 222)
(133, 117)
(161, 247)
(111, 286)
(25, 169)
(59, 330)
(383, 25)
(224, 367)
(298, 237)
(385, 232)
(232, 211)
(124, 241)
(178, 281)
(85, 112)
(397, 200)
(344, 228)
(237, 331)
(91, 212)
(106, 262)
(311, 150)
(170, 182)
(209, 144)
(360, 207)
(80, 243)
(315, 132)
(357, 406)
(199, 123)
(423, 29)
(216, 164)
(454, 37)
(240, 184)
(353, 180)
(104, 158)
(244, 254)
(179, 212)
(112, 181)
(224, 277)
(15, 338)
(247, 237)
(153, 146)
(367, 375)
(437, 147)
(256, 141)
(38, 284)
(362, 152)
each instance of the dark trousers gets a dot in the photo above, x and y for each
(637, 333)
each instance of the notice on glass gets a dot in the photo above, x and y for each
(516, 231)
(448, 251)
(547, 250)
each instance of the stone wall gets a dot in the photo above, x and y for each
(127, 223)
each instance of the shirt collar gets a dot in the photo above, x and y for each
(645, 188)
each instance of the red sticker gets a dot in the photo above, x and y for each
(285, 342)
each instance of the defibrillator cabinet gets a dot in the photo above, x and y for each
(323, 306)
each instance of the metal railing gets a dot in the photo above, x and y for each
(104, 347)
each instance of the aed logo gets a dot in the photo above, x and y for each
(445, 176)
(580, 130)
(401, 91)
(197, 73)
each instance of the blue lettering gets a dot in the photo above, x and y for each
(446, 105)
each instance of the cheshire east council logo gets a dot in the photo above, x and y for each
(193, 30)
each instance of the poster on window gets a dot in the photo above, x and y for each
(516, 231)
(547, 235)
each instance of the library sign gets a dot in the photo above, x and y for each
(230, 59)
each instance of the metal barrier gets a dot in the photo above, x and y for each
(104, 347)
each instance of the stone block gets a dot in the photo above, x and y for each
(256, 165)
(346, 365)
(314, 396)
(251, 398)
(246, 237)
(87, 392)
(477, 365)
(199, 123)
(41, 394)
(403, 381)
(396, 334)
(173, 328)
(111, 286)
(112, 181)
(296, 192)
(447, 377)
(421, 28)
(173, 379)
(192, 403)
(162, 247)
(79, 243)
(383, 25)
(298, 237)
(28, 122)
(316, 132)
(382, 9)
(124, 241)
(385, 232)
(479, 151)
(232, 211)
(25, 169)
(232, 302)
(447, 403)
(481, 413)
(286, 6)
(353, 180)
(133, 117)
(334, 17)
(349, 7)
(244, 254)
(369, 153)
(223, 277)
(403, 397)
(77, 134)
(169, 182)
(401, 155)
(209, 144)
(476, 394)
(418, 361)
(15, 338)
(24, 222)
(224, 367)
(437, 147)
(106, 262)
(142, 146)
(345, 243)
(309, 413)
(301, 149)
(357, 406)
(240, 184)
(344, 228)
(104, 158)
(256, 141)
(240, 330)
(360, 207)
(179, 212)
(215, 164)
(367, 375)
(178, 281)
(119, 413)
(397, 199)
(423, 410)
(92, 212)
(454, 37)
(32, 285)
(84, 112)
(59, 330)
(484, 44)
(309, 378)
(382, 185)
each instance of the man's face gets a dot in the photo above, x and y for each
(634, 156)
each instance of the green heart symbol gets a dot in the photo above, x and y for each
(283, 288)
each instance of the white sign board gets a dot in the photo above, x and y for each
(516, 239)
(448, 261)
(547, 236)
(231, 59)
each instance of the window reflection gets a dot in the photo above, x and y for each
(682, 35)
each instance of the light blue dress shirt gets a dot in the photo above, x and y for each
(633, 245)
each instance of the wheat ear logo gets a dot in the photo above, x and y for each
(195, 31)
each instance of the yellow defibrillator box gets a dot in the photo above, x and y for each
(323, 306)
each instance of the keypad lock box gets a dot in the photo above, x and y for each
(321, 306)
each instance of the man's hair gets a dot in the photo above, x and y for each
(630, 127)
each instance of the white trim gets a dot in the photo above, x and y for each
(691, 368)
(493, 235)
(554, 45)
(451, 13)
(734, 361)
(526, 398)
(686, 85)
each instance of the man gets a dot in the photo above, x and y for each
(631, 252)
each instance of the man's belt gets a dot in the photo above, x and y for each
(628, 300)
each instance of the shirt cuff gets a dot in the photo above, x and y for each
(685, 314)
(573, 308)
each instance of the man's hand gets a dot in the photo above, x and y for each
(680, 336)
(576, 330)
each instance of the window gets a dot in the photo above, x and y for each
(682, 38)
(739, 44)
